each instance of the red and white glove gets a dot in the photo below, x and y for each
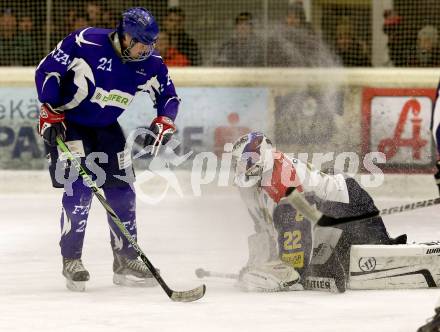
(51, 124)
(162, 128)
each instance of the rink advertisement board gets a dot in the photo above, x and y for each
(20, 145)
(397, 123)
(208, 118)
(306, 116)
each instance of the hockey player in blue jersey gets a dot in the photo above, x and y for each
(84, 85)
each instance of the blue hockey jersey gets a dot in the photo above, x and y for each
(85, 77)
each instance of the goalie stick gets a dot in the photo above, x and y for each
(183, 296)
(323, 284)
(298, 200)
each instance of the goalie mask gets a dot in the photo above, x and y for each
(253, 159)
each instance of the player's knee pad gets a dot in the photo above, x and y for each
(270, 277)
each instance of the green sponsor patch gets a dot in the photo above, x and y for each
(115, 98)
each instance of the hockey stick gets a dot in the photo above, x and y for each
(298, 200)
(323, 284)
(184, 296)
(201, 273)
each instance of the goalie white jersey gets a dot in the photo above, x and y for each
(320, 254)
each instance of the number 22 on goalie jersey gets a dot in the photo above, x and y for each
(294, 236)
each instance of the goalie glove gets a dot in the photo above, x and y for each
(51, 124)
(272, 276)
(437, 175)
(161, 130)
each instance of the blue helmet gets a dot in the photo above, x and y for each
(142, 27)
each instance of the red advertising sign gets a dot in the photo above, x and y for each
(397, 123)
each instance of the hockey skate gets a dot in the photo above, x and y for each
(131, 273)
(76, 275)
(433, 325)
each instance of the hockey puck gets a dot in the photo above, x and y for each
(200, 273)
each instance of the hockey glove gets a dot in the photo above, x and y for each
(437, 175)
(274, 276)
(161, 130)
(51, 124)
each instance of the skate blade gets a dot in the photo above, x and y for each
(76, 286)
(132, 281)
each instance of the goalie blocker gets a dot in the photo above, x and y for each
(394, 266)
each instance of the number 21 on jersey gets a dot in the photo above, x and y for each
(105, 64)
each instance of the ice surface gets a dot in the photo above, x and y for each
(180, 235)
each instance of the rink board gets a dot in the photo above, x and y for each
(302, 110)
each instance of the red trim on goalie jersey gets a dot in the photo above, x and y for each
(283, 177)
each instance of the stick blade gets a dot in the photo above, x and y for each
(189, 296)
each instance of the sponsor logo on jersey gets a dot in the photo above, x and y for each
(60, 56)
(294, 259)
(113, 97)
(141, 72)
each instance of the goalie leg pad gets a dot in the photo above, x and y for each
(394, 266)
(262, 248)
(270, 277)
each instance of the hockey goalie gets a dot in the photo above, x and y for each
(290, 251)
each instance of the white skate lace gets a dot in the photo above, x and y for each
(74, 265)
(136, 265)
